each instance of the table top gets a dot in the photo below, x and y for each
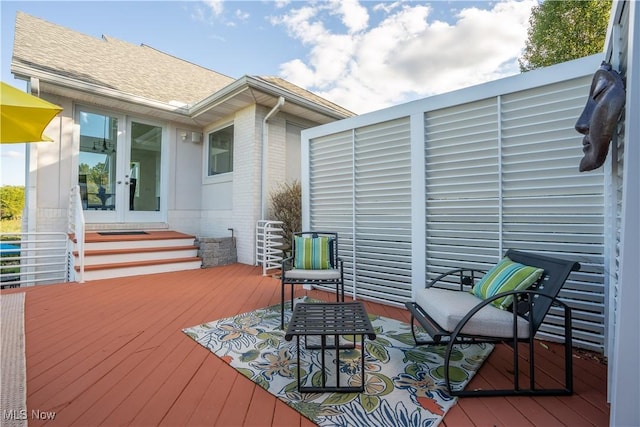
(340, 318)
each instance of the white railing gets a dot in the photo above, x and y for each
(268, 245)
(27, 259)
(76, 233)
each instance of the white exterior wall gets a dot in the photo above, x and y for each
(232, 200)
(49, 173)
(195, 203)
(246, 182)
(277, 161)
(284, 153)
(284, 149)
(54, 172)
(185, 181)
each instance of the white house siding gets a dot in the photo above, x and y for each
(277, 153)
(500, 171)
(292, 152)
(185, 181)
(51, 169)
(196, 204)
(54, 170)
(233, 201)
(284, 151)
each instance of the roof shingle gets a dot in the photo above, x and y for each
(138, 70)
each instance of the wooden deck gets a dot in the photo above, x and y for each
(111, 352)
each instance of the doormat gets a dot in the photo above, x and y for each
(404, 384)
(121, 233)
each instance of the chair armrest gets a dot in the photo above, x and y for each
(533, 329)
(465, 280)
(525, 308)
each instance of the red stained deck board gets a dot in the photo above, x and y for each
(215, 397)
(234, 414)
(111, 352)
(189, 398)
(261, 408)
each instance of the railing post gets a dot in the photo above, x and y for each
(76, 228)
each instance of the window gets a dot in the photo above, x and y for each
(221, 151)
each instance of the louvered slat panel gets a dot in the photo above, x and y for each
(331, 193)
(506, 177)
(548, 206)
(500, 172)
(383, 206)
(462, 186)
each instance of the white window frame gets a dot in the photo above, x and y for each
(221, 177)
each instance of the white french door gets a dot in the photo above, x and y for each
(120, 168)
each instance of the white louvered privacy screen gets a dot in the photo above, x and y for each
(500, 173)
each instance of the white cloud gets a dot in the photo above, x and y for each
(354, 16)
(12, 154)
(12, 164)
(242, 15)
(406, 55)
(216, 6)
(281, 3)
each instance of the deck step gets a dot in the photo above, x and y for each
(112, 255)
(115, 256)
(126, 269)
(152, 239)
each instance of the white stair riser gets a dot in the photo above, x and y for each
(138, 256)
(138, 244)
(140, 270)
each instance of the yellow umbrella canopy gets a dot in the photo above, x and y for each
(23, 116)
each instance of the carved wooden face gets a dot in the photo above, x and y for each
(600, 116)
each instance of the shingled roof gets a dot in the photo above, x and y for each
(297, 90)
(136, 70)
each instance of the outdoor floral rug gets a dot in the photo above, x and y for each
(404, 384)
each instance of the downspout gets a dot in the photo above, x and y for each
(265, 162)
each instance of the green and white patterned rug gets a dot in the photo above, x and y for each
(404, 384)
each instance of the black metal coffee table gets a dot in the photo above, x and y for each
(326, 320)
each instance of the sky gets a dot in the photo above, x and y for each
(362, 55)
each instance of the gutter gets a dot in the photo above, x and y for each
(93, 89)
(265, 87)
(265, 162)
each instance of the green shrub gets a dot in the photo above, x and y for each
(11, 201)
(286, 206)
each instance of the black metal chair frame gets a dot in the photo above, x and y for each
(532, 305)
(288, 264)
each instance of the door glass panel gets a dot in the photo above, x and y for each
(145, 172)
(97, 161)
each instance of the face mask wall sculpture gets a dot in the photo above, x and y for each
(600, 116)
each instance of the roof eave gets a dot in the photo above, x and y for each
(21, 71)
(192, 115)
(295, 98)
(248, 82)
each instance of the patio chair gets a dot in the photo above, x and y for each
(507, 305)
(314, 261)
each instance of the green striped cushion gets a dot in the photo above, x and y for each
(506, 276)
(311, 253)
